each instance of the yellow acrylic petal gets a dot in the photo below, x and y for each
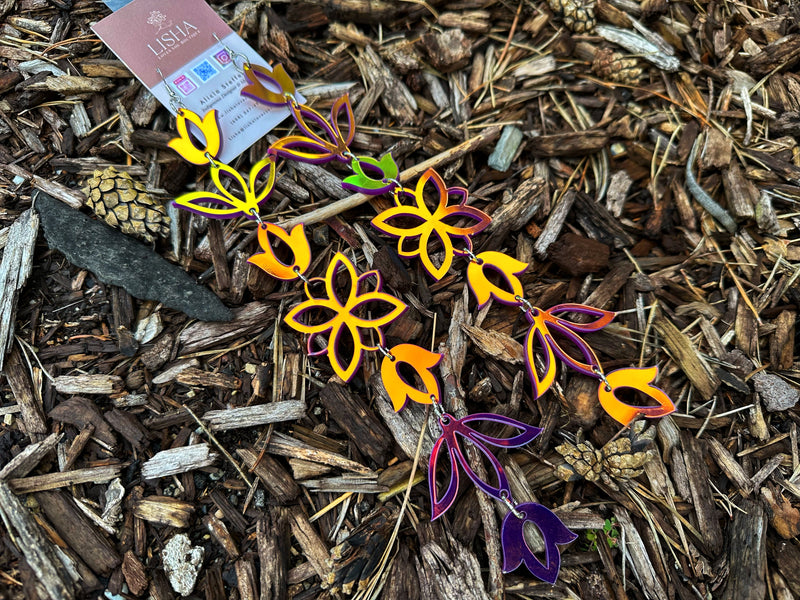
(184, 143)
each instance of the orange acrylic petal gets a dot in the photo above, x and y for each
(184, 143)
(296, 240)
(503, 264)
(637, 379)
(422, 361)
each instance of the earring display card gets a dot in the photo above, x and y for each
(116, 4)
(179, 39)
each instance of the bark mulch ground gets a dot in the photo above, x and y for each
(641, 156)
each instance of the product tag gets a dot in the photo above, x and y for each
(116, 4)
(178, 38)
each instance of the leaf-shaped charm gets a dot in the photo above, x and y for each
(452, 430)
(400, 390)
(516, 551)
(185, 145)
(431, 224)
(385, 171)
(197, 202)
(323, 141)
(527, 434)
(342, 319)
(507, 267)
(638, 379)
(540, 337)
(296, 240)
(277, 78)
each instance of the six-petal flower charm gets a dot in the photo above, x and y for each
(343, 322)
(431, 224)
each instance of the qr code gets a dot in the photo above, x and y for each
(185, 85)
(204, 71)
(223, 58)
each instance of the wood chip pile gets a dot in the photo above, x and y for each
(643, 158)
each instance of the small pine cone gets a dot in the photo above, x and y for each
(622, 461)
(613, 66)
(583, 460)
(578, 15)
(123, 203)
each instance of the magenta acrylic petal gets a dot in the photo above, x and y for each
(527, 435)
(440, 504)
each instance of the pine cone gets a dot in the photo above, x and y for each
(623, 458)
(613, 66)
(578, 15)
(125, 204)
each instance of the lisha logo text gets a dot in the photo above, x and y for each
(171, 36)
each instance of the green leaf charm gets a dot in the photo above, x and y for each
(385, 169)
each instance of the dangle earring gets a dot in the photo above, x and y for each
(339, 315)
(222, 204)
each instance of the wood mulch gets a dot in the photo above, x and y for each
(641, 156)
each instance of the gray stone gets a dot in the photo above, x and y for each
(118, 259)
(182, 563)
(775, 392)
(507, 146)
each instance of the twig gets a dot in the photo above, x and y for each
(487, 136)
(699, 194)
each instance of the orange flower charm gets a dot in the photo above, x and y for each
(296, 240)
(400, 390)
(343, 324)
(637, 379)
(431, 224)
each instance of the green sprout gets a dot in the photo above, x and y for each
(610, 533)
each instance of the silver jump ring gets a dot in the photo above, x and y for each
(506, 499)
(257, 216)
(302, 277)
(437, 408)
(525, 305)
(471, 255)
(602, 377)
(387, 353)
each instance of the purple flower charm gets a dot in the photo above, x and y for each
(516, 550)
(452, 427)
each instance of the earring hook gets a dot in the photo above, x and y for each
(174, 99)
(234, 55)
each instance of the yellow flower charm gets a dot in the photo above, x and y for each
(344, 325)
(437, 225)
(225, 204)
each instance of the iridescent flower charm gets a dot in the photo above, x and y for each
(431, 226)
(342, 321)
(451, 428)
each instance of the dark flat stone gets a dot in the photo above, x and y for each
(118, 259)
